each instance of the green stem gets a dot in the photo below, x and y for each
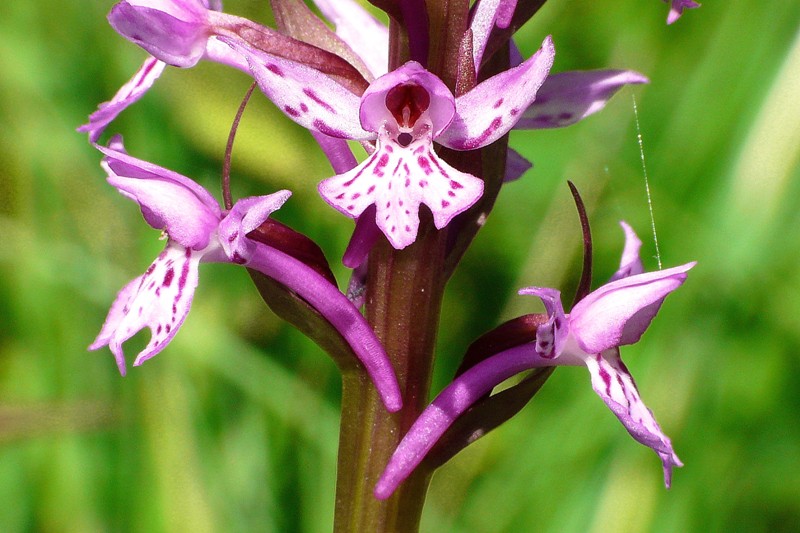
(403, 302)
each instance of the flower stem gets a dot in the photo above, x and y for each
(403, 303)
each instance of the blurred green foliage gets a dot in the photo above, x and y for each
(234, 426)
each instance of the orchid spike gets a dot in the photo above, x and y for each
(677, 7)
(616, 314)
(404, 111)
(199, 231)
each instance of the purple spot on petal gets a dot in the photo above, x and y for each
(350, 207)
(184, 275)
(451, 194)
(565, 116)
(371, 189)
(498, 103)
(311, 94)
(388, 148)
(275, 69)
(408, 229)
(303, 107)
(514, 112)
(425, 165)
(355, 196)
(291, 111)
(320, 126)
(423, 183)
(455, 185)
(480, 140)
(168, 276)
(167, 328)
(445, 203)
(380, 165)
(604, 375)
(408, 182)
(233, 236)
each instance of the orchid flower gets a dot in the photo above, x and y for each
(404, 111)
(615, 314)
(563, 99)
(198, 231)
(677, 7)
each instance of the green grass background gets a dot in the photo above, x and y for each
(234, 426)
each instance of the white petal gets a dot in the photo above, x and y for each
(397, 180)
(160, 301)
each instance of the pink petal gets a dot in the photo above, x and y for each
(630, 264)
(305, 95)
(552, 335)
(612, 381)
(129, 93)
(494, 106)
(174, 32)
(568, 97)
(619, 312)
(160, 300)
(246, 215)
(169, 201)
(441, 106)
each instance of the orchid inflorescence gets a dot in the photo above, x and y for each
(433, 113)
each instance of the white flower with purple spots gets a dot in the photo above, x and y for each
(198, 231)
(404, 112)
(616, 314)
